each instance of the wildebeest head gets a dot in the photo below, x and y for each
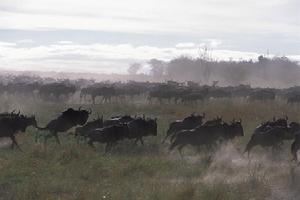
(236, 129)
(83, 116)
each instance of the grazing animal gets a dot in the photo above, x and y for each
(108, 135)
(189, 122)
(67, 120)
(273, 137)
(84, 130)
(12, 124)
(206, 135)
(140, 127)
(136, 129)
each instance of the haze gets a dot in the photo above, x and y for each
(109, 35)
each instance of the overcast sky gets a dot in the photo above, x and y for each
(108, 35)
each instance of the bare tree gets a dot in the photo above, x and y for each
(157, 68)
(134, 68)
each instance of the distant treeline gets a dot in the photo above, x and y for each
(265, 72)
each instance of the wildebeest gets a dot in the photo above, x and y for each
(54, 91)
(206, 135)
(271, 134)
(136, 129)
(84, 130)
(272, 137)
(189, 122)
(106, 92)
(141, 127)
(10, 125)
(66, 121)
(109, 135)
(262, 95)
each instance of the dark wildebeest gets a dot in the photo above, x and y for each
(189, 122)
(67, 120)
(136, 129)
(109, 135)
(272, 137)
(81, 132)
(140, 127)
(11, 125)
(206, 135)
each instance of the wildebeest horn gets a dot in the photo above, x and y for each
(286, 117)
(90, 111)
(19, 112)
(240, 120)
(79, 108)
(13, 112)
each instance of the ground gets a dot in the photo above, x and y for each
(76, 171)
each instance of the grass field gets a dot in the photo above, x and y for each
(73, 171)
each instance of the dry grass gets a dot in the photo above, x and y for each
(74, 171)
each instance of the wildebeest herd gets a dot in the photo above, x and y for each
(89, 91)
(192, 130)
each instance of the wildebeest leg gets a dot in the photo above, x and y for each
(107, 147)
(141, 140)
(165, 139)
(56, 138)
(14, 142)
(91, 143)
(294, 149)
(180, 150)
(249, 146)
(46, 138)
(138, 139)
